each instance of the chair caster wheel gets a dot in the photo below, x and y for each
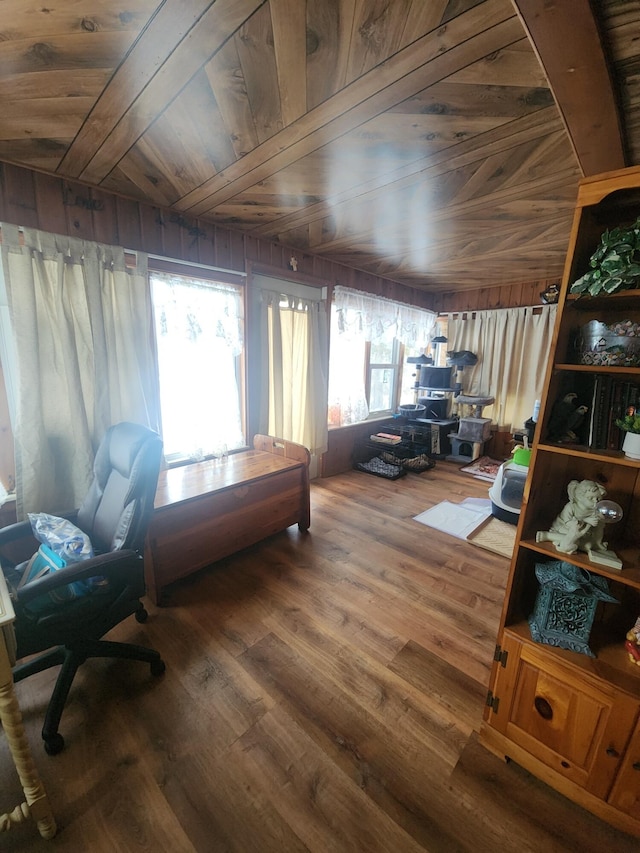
(54, 744)
(141, 615)
(157, 667)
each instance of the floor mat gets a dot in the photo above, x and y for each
(381, 468)
(471, 520)
(459, 520)
(484, 468)
(496, 536)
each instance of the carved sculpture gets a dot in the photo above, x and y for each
(579, 527)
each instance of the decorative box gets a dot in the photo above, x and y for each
(614, 344)
(566, 606)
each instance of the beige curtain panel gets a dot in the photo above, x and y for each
(81, 322)
(295, 355)
(512, 345)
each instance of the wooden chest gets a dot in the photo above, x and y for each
(208, 510)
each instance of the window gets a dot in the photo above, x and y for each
(199, 331)
(291, 352)
(384, 368)
(371, 338)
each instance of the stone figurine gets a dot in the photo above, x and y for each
(579, 527)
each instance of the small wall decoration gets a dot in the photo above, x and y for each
(87, 203)
(550, 295)
(566, 606)
(176, 219)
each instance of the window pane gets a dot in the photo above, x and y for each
(375, 328)
(347, 399)
(410, 375)
(199, 339)
(382, 351)
(381, 389)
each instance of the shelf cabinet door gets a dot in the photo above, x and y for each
(576, 726)
(626, 791)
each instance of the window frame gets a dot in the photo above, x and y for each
(394, 366)
(204, 273)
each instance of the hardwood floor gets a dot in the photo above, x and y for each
(323, 693)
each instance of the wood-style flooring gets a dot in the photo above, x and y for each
(323, 693)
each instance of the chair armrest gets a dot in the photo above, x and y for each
(112, 566)
(13, 532)
(17, 544)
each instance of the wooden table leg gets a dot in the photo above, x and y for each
(37, 804)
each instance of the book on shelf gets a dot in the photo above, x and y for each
(614, 433)
(610, 400)
(602, 404)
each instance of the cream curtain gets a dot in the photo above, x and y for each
(82, 326)
(294, 335)
(512, 345)
(357, 318)
(372, 318)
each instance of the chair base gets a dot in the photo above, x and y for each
(71, 657)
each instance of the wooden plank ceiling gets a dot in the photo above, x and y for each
(436, 143)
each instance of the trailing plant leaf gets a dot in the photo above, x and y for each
(615, 264)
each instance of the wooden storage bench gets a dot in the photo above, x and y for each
(208, 510)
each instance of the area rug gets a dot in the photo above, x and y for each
(472, 521)
(496, 536)
(484, 468)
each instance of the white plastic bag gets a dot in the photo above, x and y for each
(63, 537)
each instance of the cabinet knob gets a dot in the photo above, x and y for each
(543, 707)
(613, 752)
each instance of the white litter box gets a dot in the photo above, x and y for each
(507, 491)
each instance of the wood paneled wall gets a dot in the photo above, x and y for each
(36, 200)
(486, 298)
(41, 201)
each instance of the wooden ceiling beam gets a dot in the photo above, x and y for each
(542, 123)
(484, 29)
(537, 188)
(177, 41)
(566, 37)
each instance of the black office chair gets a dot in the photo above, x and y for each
(115, 515)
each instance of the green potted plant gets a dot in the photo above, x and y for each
(630, 424)
(615, 265)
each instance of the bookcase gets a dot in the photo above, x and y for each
(571, 719)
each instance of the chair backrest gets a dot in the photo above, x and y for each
(118, 506)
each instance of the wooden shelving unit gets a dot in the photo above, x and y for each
(571, 719)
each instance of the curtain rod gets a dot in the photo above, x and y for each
(155, 257)
(195, 264)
